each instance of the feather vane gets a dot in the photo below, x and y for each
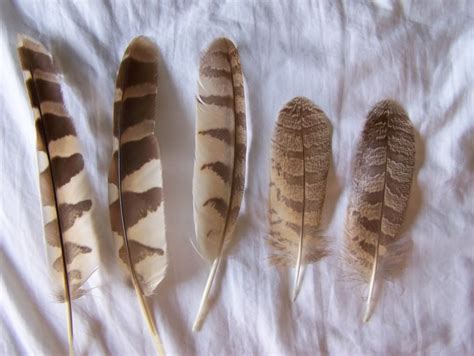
(382, 180)
(66, 196)
(136, 201)
(221, 144)
(301, 153)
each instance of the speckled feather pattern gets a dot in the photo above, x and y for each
(382, 180)
(301, 154)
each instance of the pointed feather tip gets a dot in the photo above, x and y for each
(26, 41)
(22, 39)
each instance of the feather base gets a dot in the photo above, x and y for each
(212, 274)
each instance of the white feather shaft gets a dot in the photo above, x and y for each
(205, 294)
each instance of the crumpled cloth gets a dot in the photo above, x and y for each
(343, 55)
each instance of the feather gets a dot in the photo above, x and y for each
(221, 145)
(68, 208)
(382, 179)
(136, 202)
(301, 153)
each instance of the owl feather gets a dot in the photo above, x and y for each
(383, 174)
(301, 154)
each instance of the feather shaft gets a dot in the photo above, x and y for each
(70, 333)
(210, 280)
(368, 306)
(297, 281)
(300, 243)
(148, 316)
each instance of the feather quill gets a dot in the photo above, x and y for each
(301, 153)
(66, 197)
(221, 145)
(382, 180)
(135, 176)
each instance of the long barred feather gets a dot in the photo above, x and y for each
(301, 153)
(381, 187)
(65, 192)
(221, 145)
(135, 175)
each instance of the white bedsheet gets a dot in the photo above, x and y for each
(343, 55)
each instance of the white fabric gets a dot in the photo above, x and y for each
(345, 56)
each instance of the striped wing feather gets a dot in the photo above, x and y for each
(219, 169)
(135, 176)
(66, 196)
(219, 166)
(301, 153)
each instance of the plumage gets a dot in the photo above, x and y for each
(135, 175)
(382, 180)
(301, 153)
(66, 196)
(221, 144)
